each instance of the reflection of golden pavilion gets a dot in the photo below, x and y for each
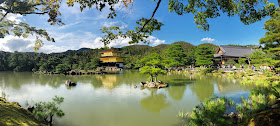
(108, 81)
(111, 58)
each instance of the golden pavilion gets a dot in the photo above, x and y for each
(111, 58)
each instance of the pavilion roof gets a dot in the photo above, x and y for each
(233, 51)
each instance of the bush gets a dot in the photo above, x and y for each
(209, 113)
(207, 70)
(269, 73)
(230, 62)
(45, 111)
(250, 72)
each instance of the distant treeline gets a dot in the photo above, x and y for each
(89, 58)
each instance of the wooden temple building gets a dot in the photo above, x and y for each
(225, 53)
(111, 58)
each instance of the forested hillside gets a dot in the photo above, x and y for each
(86, 58)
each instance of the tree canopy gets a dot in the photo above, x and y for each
(175, 55)
(272, 27)
(249, 12)
(28, 7)
(204, 56)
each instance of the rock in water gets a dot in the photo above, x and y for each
(162, 85)
(69, 83)
(142, 84)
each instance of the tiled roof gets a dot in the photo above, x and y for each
(233, 51)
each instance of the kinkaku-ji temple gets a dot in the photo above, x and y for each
(111, 58)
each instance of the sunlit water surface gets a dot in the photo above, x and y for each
(112, 100)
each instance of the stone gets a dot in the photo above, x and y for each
(158, 84)
(3, 99)
(142, 84)
(30, 108)
(16, 103)
(274, 106)
(69, 83)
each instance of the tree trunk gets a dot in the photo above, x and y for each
(51, 120)
(249, 63)
(152, 78)
(155, 78)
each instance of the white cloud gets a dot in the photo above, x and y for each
(14, 17)
(155, 41)
(11, 43)
(120, 24)
(120, 42)
(52, 48)
(209, 40)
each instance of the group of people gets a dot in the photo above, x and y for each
(226, 67)
(263, 67)
(229, 67)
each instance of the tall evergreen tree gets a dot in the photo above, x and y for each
(176, 56)
(204, 56)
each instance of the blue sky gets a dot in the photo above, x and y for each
(82, 28)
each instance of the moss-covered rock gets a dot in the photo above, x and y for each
(2, 99)
(11, 114)
(269, 117)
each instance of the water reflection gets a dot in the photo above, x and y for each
(111, 99)
(155, 102)
(203, 87)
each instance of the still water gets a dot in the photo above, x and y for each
(112, 100)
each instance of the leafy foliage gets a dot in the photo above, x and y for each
(62, 68)
(210, 113)
(153, 66)
(89, 58)
(46, 111)
(248, 11)
(272, 27)
(230, 62)
(204, 56)
(176, 56)
(28, 7)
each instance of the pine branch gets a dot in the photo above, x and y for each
(158, 3)
(3, 16)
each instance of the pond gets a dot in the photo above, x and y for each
(112, 100)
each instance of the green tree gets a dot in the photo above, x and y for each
(210, 113)
(75, 66)
(153, 66)
(95, 62)
(46, 111)
(20, 61)
(257, 57)
(272, 34)
(176, 55)
(230, 62)
(4, 63)
(242, 60)
(62, 68)
(204, 56)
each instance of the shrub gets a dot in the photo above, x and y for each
(206, 70)
(250, 72)
(209, 113)
(45, 111)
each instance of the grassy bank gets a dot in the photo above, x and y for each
(11, 114)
